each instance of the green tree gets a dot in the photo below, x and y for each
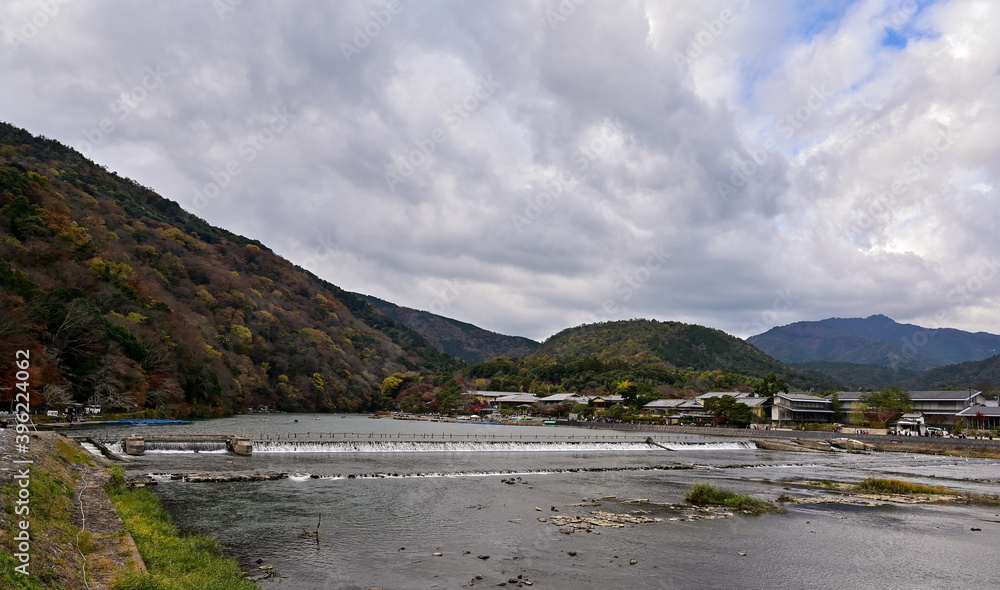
(616, 411)
(770, 385)
(727, 411)
(887, 405)
(629, 393)
(836, 406)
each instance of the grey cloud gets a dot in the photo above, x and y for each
(638, 148)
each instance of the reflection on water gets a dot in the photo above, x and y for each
(464, 502)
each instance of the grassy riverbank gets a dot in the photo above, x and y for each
(58, 549)
(174, 561)
(77, 540)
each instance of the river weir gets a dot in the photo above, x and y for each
(415, 505)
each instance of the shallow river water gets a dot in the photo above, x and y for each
(387, 507)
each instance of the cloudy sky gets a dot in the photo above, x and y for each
(530, 166)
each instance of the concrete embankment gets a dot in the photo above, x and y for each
(879, 442)
(77, 537)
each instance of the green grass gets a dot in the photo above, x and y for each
(874, 485)
(50, 517)
(15, 581)
(703, 494)
(174, 561)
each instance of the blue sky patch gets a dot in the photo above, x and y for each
(815, 17)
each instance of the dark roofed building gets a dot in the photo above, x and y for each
(799, 407)
(980, 417)
(938, 407)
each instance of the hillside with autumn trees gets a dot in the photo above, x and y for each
(125, 300)
(676, 348)
(469, 343)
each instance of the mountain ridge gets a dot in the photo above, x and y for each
(875, 340)
(123, 299)
(456, 338)
(673, 344)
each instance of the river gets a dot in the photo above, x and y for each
(402, 491)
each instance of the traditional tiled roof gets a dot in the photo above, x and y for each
(711, 394)
(802, 395)
(518, 398)
(672, 404)
(491, 393)
(984, 410)
(917, 396)
(561, 397)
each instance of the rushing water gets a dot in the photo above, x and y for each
(400, 492)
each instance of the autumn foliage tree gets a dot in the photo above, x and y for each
(886, 405)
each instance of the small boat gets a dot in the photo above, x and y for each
(145, 422)
(375, 416)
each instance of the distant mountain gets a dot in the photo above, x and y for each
(674, 344)
(123, 299)
(857, 377)
(983, 375)
(454, 338)
(875, 340)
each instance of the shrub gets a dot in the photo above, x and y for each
(703, 494)
(874, 485)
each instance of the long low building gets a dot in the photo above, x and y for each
(980, 417)
(940, 408)
(800, 407)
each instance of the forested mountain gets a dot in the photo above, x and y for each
(672, 345)
(125, 300)
(875, 340)
(859, 377)
(983, 375)
(470, 343)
